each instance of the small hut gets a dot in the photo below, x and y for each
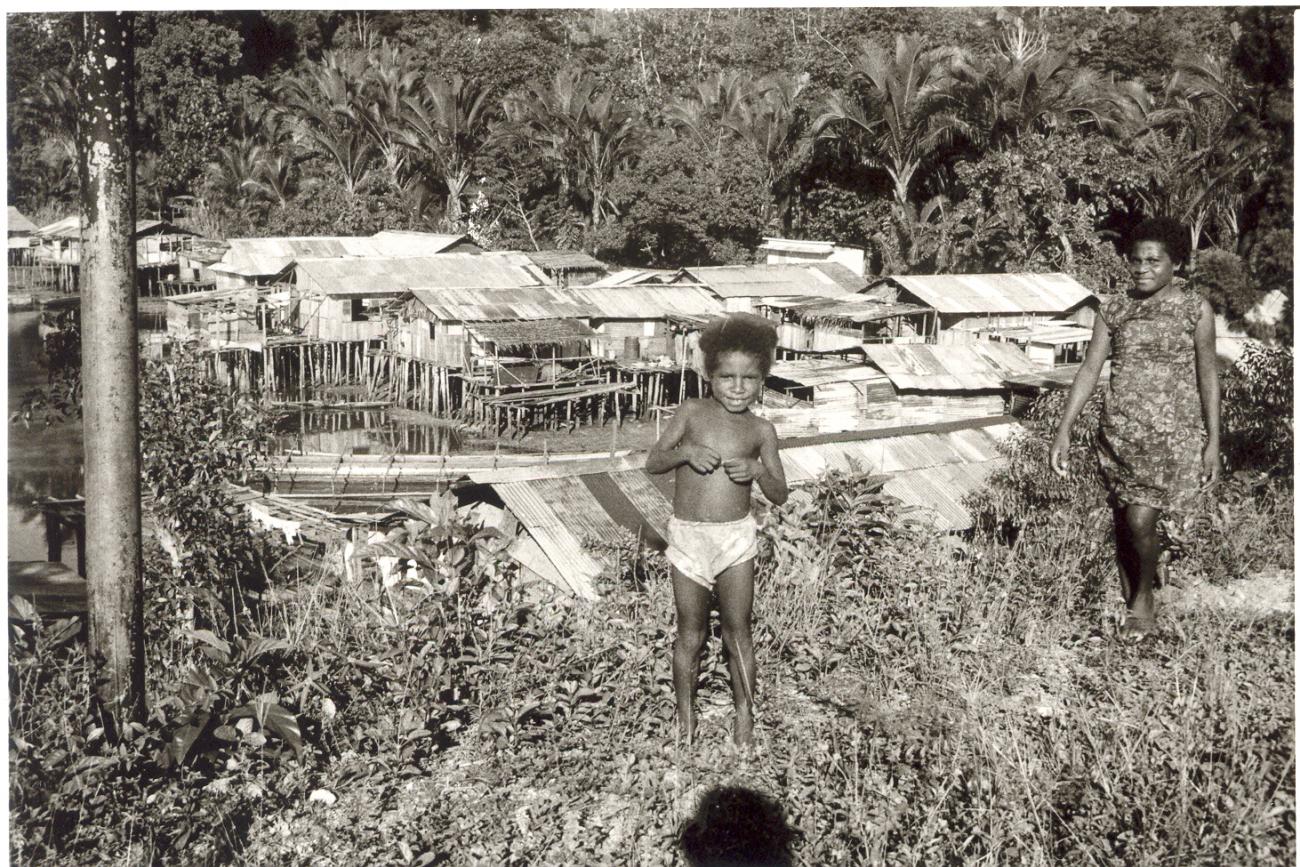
(1047, 344)
(937, 383)
(970, 303)
(566, 268)
(259, 261)
(20, 231)
(746, 288)
(847, 323)
(648, 321)
(787, 251)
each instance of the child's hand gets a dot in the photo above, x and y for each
(742, 470)
(702, 459)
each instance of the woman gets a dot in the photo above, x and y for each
(1159, 437)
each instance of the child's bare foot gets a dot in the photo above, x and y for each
(743, 736)
(686, 728)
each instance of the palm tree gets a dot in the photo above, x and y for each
(320, 104)
(997, 100)
(446, 125)
(582, 134)
(1201, 151)
(770, 122)
(52, 101)
(389, 81)
(897, 108)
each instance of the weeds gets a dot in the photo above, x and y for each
(921, 700)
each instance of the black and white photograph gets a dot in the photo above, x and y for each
(666, 437)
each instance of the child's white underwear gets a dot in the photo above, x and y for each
(701, 550)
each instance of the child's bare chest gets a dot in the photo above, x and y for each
(730, 436)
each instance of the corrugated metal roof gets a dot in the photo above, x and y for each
(632, 277)
(814, 280)
(1049, 333)
(17, 222)
(993, 293)
(551, 535)
(1057, 377)
(789, 245)
(565, 260)
(263, 257)
(852, 308)
(367, 276)
(818, 371)
(496, 305)
(929, 468)
(530, 332)
(967, 367)
(647, 301)
(70, 227)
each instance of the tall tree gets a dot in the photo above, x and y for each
(584, 134)
(897, 109)
(446, 126)
(110, 358)
(320, 104)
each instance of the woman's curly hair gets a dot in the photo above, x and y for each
(1165, 231)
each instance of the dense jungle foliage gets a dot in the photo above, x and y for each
(959, 139)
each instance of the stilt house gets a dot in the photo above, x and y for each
(849, 322)
(746, 288)
(565, 268)
(970, 303)
(20, 231)
(259, 261)
(937, 383)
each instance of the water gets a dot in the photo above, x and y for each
(43, 462)
(365, 432)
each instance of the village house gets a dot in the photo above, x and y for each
(945, 382)
(259, 261)
(1047, 344)
(748, 288)
(647, 321)
(20, 237)
(847, 323)
(785, 251)
(58, 248)
(566, 268)
(968, 304)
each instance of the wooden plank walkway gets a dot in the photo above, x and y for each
(52, 588)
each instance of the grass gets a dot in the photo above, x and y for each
(932, 707)
(920, 702)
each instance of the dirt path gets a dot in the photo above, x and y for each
(1271, 592)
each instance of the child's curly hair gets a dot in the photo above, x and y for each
(739, 332)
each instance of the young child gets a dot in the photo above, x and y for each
(719, 448)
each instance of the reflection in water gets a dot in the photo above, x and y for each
(363, 432)
(43, 462)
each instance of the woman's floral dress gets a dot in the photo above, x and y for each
(1151, 424)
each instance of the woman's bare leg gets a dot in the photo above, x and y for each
(692, 603)
(736, 605)
(1144, 557)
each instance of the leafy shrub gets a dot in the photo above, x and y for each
(1258, 406)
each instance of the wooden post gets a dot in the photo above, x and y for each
(109, 370)
(53, 537)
